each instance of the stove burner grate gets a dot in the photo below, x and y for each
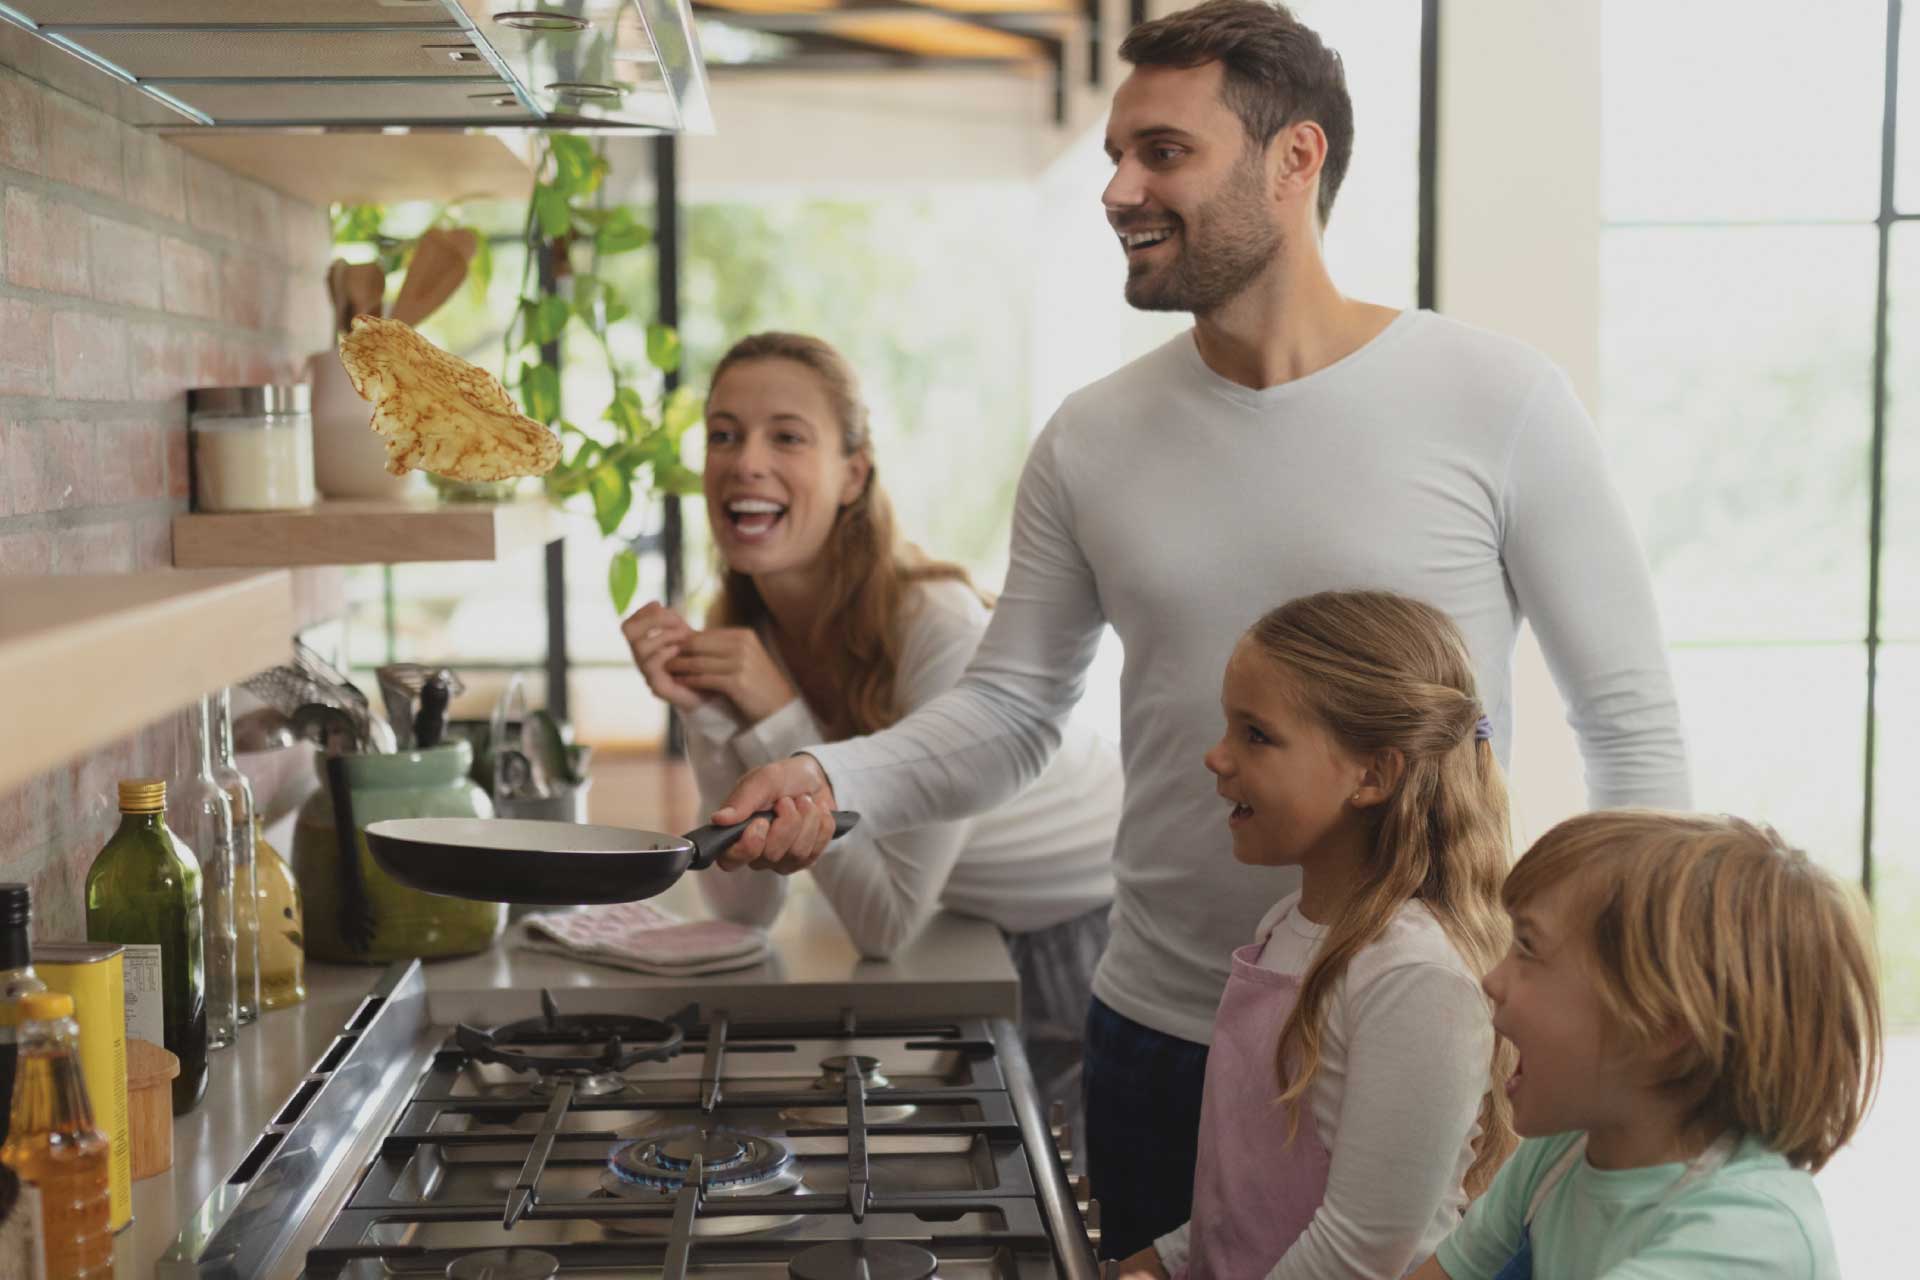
(833, 1080)
(617, 1041)
(876, 1259)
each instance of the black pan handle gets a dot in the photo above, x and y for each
(710, 842)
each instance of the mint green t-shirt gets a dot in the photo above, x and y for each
(1756, 1218)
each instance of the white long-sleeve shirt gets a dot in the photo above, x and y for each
(1403, 1068)
(1041, 858)
(1439, 460)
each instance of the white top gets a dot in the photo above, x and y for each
(1403, 1067)
(1438, 460)
(1034, 861)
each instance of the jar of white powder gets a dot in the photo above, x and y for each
(252, 448)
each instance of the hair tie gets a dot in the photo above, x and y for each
(1483, 730)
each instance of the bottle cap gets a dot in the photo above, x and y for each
(143, 795)
(16, 907)
(45, 1006)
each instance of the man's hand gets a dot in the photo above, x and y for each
(656, 634)
(731, 662)
(797, 791)
(1144, 1265)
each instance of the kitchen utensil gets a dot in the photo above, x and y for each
(401, 685)
(430, 722)
(337, 294)
(547, 863)
(311, 680)
(366, 287)
(262, 729)
(438, 266)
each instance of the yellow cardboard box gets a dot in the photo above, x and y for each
(92, 973)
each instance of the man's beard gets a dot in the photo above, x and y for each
(1206, 274)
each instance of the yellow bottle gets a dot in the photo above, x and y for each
(283, 956)
(54, 1145)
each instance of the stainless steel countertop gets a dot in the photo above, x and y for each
(957, 964)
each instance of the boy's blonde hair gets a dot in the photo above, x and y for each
(1718, 931)
(1382, 672)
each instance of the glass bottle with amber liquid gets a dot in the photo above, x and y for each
(143, 890)
(53, 1144)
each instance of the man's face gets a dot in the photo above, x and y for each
(1189, 198)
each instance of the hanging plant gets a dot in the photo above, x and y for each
(633, 446)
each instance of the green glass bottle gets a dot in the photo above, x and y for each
(142, 889)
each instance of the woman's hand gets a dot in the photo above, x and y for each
(1144, 1265)
(731, 662)
(655, 634)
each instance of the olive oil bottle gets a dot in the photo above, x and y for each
(143, 890)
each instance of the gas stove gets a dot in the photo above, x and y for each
(659, 1142)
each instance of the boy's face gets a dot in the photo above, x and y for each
(1569, 1076)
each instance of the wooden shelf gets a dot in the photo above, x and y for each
(368, 168)
(86, 658)
(363, 532)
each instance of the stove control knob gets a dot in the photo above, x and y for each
(1057, 1119)
(1082, 1190)
(1092, 1218)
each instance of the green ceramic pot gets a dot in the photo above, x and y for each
(406, 922)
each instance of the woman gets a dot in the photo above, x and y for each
(829, 625)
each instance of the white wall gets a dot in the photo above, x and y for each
(1519, 235)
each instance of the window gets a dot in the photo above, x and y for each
(1745, 247)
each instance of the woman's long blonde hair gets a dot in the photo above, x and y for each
(859, 627)
(1381, 672)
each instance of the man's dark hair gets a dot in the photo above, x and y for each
(1278, 72)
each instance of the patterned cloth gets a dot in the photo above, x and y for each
(647, 939)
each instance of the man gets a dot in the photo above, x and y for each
(1294, 441)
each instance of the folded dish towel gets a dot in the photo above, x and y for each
(647, 939)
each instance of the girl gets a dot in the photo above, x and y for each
(1696, 1014)
(829, 625)
(1356, 750)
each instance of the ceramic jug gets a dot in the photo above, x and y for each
(405, 922)
(349, 458)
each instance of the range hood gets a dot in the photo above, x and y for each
(589, 65)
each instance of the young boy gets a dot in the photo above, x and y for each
(1695, 1010)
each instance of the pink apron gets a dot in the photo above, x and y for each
(1253, 1191)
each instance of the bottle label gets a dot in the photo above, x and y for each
(23, 1236)
(146, 994)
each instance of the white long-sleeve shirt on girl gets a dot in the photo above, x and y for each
(1404, 1065)
(1439, 461)
(1041, 858)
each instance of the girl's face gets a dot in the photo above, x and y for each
(1546, 1005)
(776, 473)
(1293, 788)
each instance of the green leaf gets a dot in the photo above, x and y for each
(357, 223)
(612, 495)
(587, 293)
(621, 232)
(540, 391)
(546, 319)
(682, 410)
(677, 477)
(577, 170)
(628, 412)
(551, 210)
(480, 270)
(663, 347)
(616, 310)
(623, 578)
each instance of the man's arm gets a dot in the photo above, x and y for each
(1579, 574)
(973, 747)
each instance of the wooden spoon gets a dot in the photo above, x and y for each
(439, 265)
(366, 286)
(337, 293)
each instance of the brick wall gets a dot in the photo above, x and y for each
(130, 271)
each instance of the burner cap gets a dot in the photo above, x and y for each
(833, 1071)
(504, 1264)
(718, 1150)
(729, 1159)
(884, 1259)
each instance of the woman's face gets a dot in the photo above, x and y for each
(776, 472)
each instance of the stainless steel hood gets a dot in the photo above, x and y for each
(592, 65)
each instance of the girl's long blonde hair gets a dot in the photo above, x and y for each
(859, 627)
(1382, 672)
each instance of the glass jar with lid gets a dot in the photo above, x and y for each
(252, 447)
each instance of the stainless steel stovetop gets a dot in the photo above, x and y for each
(655, 1142)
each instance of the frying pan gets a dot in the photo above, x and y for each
(544, 862)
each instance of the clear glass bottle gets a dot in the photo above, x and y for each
(144, 889)
(283, 954)
(199, 813)
(53, 1143)
(246, 897)
(17, 979)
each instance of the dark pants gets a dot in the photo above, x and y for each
(1143, 1128)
